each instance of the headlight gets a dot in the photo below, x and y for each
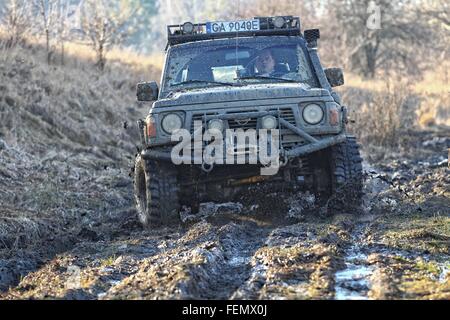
(269, 122)
(313, 114)
(171, 123)
(216, 125)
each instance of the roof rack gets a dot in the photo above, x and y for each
(268, 26)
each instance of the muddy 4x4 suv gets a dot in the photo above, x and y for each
(260, 84)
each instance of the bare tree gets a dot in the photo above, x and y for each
(105, 25)
(436, 13)
(62, 32)
(394, 45)
(48, 10)
(16, 20)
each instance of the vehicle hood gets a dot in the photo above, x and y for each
(249, 92)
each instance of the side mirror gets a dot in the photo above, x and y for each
(147, 91)
(335, 77)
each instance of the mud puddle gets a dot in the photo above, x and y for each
(353, 283)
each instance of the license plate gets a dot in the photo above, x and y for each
(232, 26)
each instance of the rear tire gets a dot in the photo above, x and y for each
(156, 193)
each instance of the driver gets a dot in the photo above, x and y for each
(265, 63)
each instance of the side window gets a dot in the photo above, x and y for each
(303, 66)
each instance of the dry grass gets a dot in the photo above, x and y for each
(79, 53)
(70, 104)
(118, 57)
(380, 118)
(383, 110)
(60, 127)
(432, 93)
(435, 81)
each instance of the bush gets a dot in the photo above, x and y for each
(383, 117)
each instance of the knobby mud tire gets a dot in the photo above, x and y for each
(347, 176)
(156, 193)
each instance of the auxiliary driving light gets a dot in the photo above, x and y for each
(313, 114)
(188, 27)
(269, 123)
(216, 125)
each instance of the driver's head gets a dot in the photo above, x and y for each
(265, 62)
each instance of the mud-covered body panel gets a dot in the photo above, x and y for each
(240, 93)
(242, 105)
(286, 97)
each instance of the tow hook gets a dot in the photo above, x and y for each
(207, 168)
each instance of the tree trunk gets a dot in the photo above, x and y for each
(62, 53)
(49, 54)
(101, 57)
(371, 61)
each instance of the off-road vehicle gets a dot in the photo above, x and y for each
(260, 74)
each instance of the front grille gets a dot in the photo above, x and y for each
(199, 117)
(251, 123)
(289, 139)
(287, 114)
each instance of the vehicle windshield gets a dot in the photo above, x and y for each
(238, 62)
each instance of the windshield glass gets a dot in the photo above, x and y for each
(238, 62)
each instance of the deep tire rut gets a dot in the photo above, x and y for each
(237, 244)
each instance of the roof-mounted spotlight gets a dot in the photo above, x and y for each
(188, 28)
(279, 22)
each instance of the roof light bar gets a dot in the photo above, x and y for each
(267, 26)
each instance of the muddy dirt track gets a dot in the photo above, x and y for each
(68, 227)
(395, 247)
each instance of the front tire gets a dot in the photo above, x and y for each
(347, 174)
(338, 177)
(156, 193)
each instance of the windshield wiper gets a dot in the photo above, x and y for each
(268, 78)
(203, 81)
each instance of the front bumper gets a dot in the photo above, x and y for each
(312, 143)
(290, 154)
